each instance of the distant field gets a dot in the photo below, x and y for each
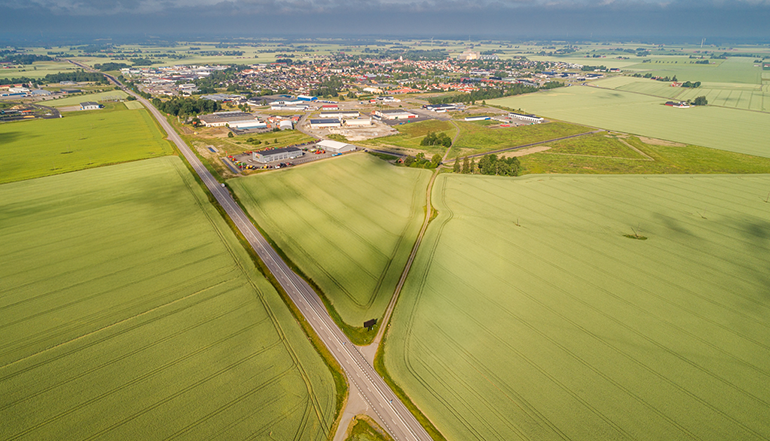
(476, 139)
(80, 140)
(37, 70)
(110, 95)
(348, 223)
(732, 70)
(605, 154)
(736, 95)
(130, 311)
(530, 316)
(411, 134)
(727, 129)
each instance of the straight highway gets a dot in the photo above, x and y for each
(391, 412)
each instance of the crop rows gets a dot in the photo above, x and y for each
(348, 224)
(529, 315)
(716, 127)
(130, 311)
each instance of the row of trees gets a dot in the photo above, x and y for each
(25, 58)
(483, 94)
(420, 161)
(489, 165)
(186, 106)
(432, 139)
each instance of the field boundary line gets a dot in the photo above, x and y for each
(506, 149)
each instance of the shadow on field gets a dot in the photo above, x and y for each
(672, 224)
(9, 137)
(757, 234)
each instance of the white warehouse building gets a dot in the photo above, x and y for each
(335, 146)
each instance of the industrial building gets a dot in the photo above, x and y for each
(339, 114)
(306, 98)
(286, 124)
(528, 118)
(90, 105)
(441, 108)
(335, 146)
(477, 118)
(266, 156)
(236, 120)
(357, 122)
(285, 107)
(395, 114)
(323, 123)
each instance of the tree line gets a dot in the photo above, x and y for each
(432, 139)
(489, 165)
(483, 94)
(186, 106)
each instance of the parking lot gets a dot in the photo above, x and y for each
(246, 162)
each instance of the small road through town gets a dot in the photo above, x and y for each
(388, 410)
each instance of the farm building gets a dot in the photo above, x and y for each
(323, 123)
(335, 146)
(358, 122)
(528, 118)
(340, 114)
(678, 105)
(477, 118)
(236, 120)
(395, 114)
(266, 156)
(90, 105)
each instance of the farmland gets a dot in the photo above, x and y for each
(38, 69)
(716, 127)
(130, 310)
(532, 312)
(110, 95)
(348, 223)
(80, 140)
(616, 153)
(475, 138)
(410, 136)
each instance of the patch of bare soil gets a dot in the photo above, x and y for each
(653, 141)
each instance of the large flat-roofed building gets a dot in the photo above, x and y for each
(358, 122)
(395, 114)
(323, 123)
(440, 108)
(236, 120)
(283, 154)
(528, 118)
(90, 105)
(335, 146)
(339, 114)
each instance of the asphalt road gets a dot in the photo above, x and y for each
(393, 415)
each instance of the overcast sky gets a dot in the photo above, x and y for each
(510, 19)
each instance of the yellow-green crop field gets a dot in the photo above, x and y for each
(131, 311)
(348, 223)
(716, 127)
(38, 69)
(529, 314)
(475, 138)
(79, 140)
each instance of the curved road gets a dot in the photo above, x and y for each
(392, 413)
